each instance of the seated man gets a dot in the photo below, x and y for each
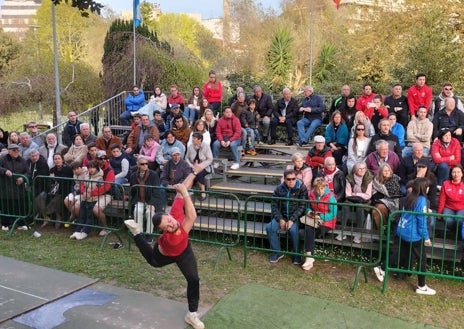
(312, 107)
(317, 154)
(285, 113)
(286, 214)
(381, 155)
(228, 134)
(133, 102)
(87, 135)
(106, 140)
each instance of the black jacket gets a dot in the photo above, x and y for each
(289, 209)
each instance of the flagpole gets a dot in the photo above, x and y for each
(311, 32)
(134, 49)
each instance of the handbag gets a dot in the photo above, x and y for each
(356, 199)
(313, 220)
(54, 189)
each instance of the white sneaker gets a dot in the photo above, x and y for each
(308, 264)
(74, 235)
(81, 236)
(192, 319)
(357, 239)
(23, 228)
(5, 228)
(380, 273)
(235, 166)
(103, 232)
(340, 237)
(425, 290)
(216, 165)
(132, 226)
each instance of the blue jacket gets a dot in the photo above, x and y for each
(316, 103)
(340, 137)
(413, 227)
(134, 102)
(398, 130)
(289, 209)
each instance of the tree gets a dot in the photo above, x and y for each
(9, 50)
(279, 58)
(83, 5)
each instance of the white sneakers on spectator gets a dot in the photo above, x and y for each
(357, 239)
(23, 228)
(5, 228)
(235, 166)
(216, 165)
(340, 237)
(192, 319)
(103, 232)
(78, 235)
(309, 262)
(132, 226)
(380, 273)
(425, 290)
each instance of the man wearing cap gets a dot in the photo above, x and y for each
(134, 101)
(312, 108)
(317, 154)
(175, 111)
(12, 198)
(175, 170)
(451, 118)
(409, 163)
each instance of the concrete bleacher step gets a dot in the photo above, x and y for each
(268, 158)
(243, 188)
(282, 148)
(225, 205)
(256, 172)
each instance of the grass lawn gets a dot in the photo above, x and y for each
(327, 280)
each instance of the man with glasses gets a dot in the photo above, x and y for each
(34, 133)
(133, 102)
(439, 102)
(286, 212)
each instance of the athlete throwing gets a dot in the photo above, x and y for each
(173, 245)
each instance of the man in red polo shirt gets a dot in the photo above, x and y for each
(419, 94)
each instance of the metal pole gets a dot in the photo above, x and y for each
(57, 74)
(135, 63)
(311, 32)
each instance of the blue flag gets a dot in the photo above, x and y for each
(137, 14)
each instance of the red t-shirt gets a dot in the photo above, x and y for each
(174, 243)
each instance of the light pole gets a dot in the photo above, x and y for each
(57, 73)
(37, 63)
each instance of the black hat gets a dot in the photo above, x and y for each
(422, 162)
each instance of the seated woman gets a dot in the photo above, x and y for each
(357, 146)
(358, 190)
(386, 194)
(360, 117)
(200, 157)
(302, 170)
(192, 110)
(321, 217)
(13, 138)
(149, 150)
(164, 150)
(451, 201)
(159, 100)
(77, 151)
(336, 136)
(334, 177)
(211, 123)
(446, 152)
(200, 127)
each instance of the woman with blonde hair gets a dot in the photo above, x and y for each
(360, 117)
(302, 170)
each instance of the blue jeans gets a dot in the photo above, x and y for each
(233, 147)
(273, 229)
(190, 114)
(451, 222)
(125, 117)
(248, 133)
(443, 171)
(303, 133)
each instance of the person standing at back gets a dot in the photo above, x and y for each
(419, 94)
(212, 91)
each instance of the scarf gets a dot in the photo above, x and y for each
(141, 180)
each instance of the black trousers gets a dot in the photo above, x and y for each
(185, 261)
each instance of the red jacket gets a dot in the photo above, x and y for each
(108, 177)
(178, 100)
(451, 196)
(230, 127)
(362, 104)
(419, 96)
(441, 154)
(213, 95)
(325, 206)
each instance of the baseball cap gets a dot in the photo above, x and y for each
(175, 150)
(101, 154)
(319, 139)
(13, 146)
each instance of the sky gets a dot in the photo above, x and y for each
(207, 8)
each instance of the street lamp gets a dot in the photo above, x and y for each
(57, 73)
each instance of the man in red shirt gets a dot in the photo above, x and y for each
(419, 94)
(365, 101)
(173, 245)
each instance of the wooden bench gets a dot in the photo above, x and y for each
(244, 188)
